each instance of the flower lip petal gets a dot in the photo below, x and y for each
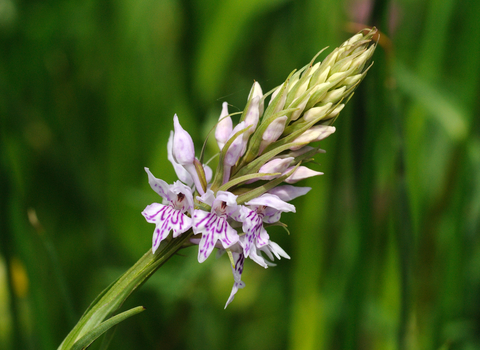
(214, 228)
(168, 219)
(151, 212)
(277, 250)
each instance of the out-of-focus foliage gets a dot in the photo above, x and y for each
(385, 249)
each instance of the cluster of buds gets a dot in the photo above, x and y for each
(259, 160)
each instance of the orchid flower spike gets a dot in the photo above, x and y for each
(270, 148)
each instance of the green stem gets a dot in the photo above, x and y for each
(113, 296)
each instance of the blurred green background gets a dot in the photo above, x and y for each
(386, 247)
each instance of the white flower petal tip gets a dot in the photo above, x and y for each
(300, 174)
(224, 126)
(253, 114)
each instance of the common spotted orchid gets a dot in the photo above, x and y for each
(267, 149)
(270, 147)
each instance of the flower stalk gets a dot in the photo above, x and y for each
(114, 295)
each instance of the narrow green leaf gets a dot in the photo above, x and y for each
(239, 180)
(85, 341)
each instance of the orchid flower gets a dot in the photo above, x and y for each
(170, 216)
(266, 208)
(214, 225)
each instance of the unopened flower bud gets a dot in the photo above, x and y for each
(336, 111)
(276, 165)
(273, 132)
(320, 76)
(352, 80)
(287, 192)
(359, 62)
(316, 133)
(300, 174)
(304, 150)
(237, 148)
(183, 149)
(300, 107)
(317, 113)
(224, 127)
(253, 114)
(334, 95)
(256, 91)
(353, 39)
(283, 99)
